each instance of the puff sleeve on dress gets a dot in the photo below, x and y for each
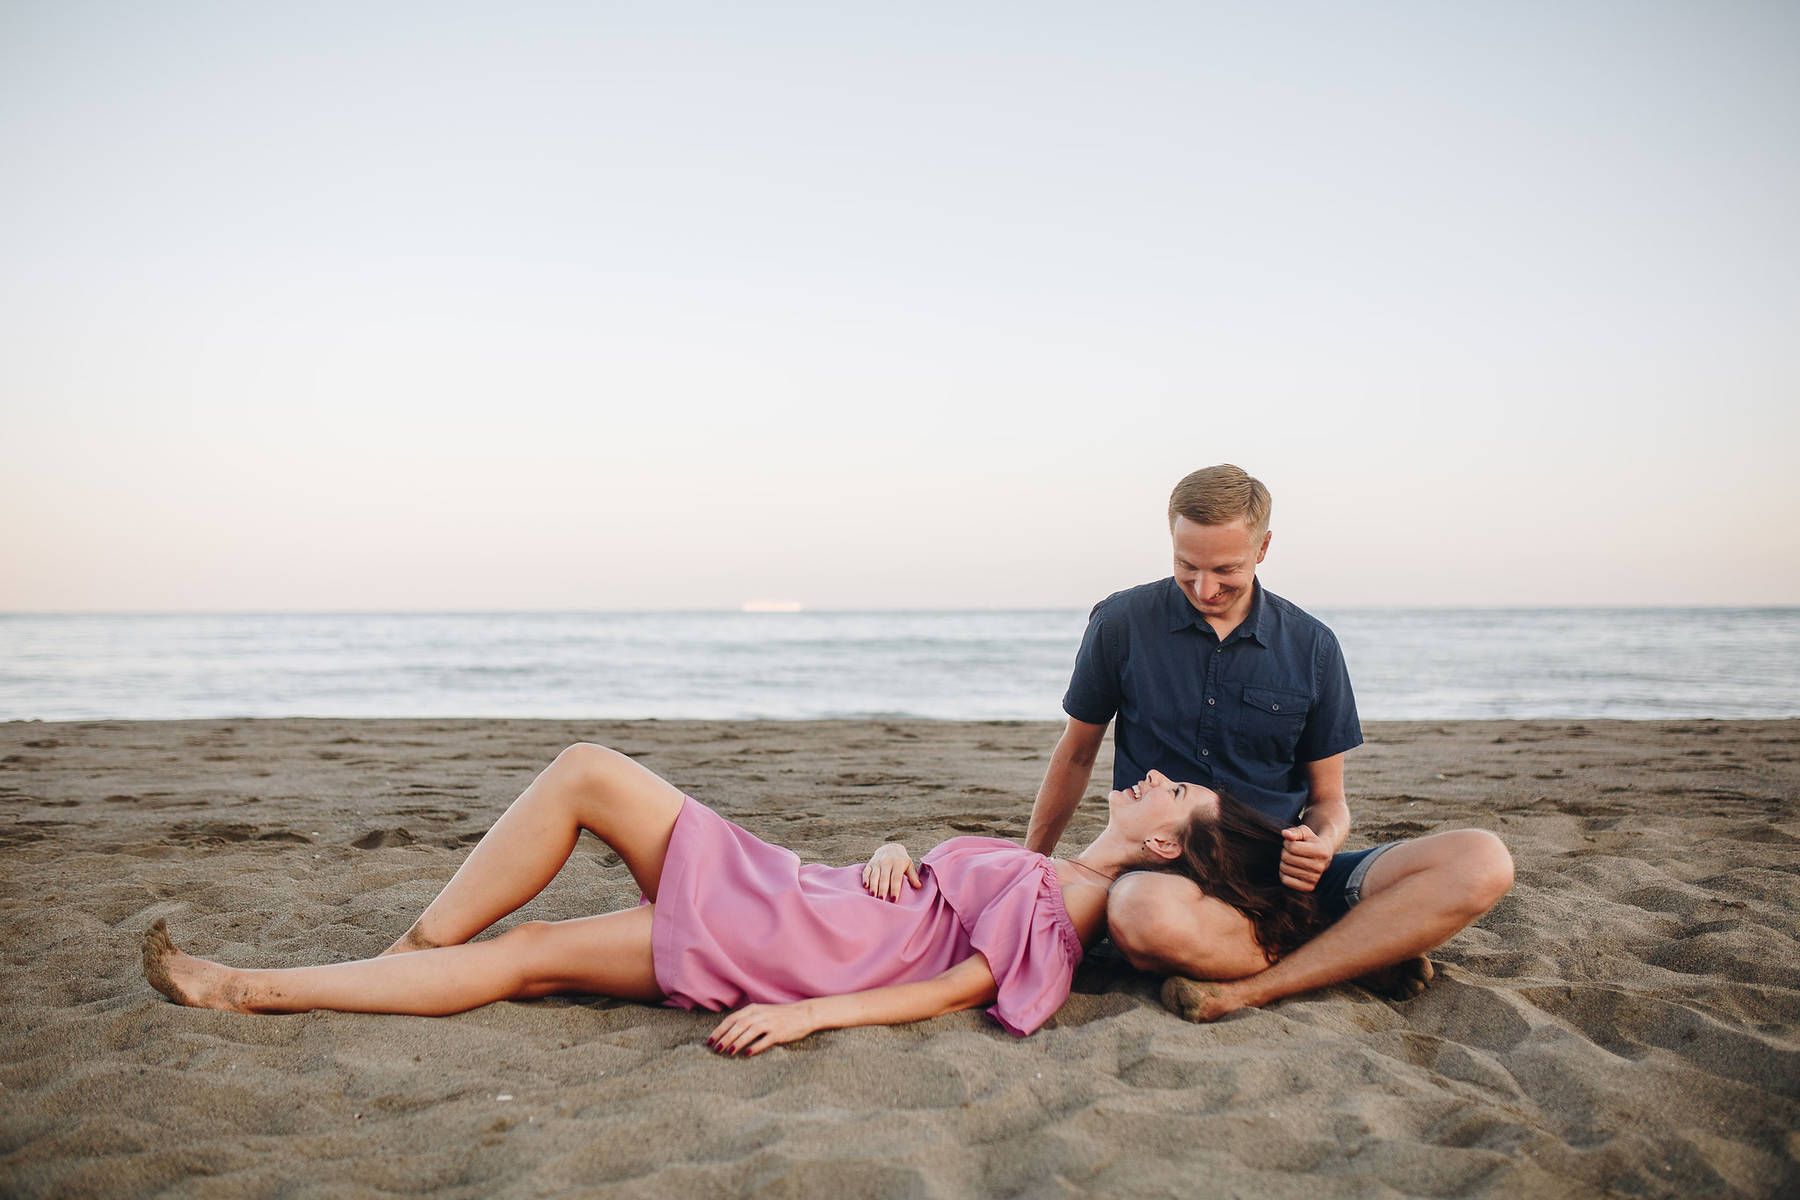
(1010, 903)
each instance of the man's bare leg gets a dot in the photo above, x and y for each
(1163, 923)
(606, 955)
(1416, 896)
(625, 805)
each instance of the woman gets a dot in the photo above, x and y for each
(728, 920)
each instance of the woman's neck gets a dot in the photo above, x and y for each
(1109, 856)
(1087, 880)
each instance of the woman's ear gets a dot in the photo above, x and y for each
(1167, 849)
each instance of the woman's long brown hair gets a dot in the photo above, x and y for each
(1236, 857)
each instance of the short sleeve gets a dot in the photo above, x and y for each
(1331, 726)
(1093, 694)
(1010, 903)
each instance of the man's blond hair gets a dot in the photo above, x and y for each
(1220, 495)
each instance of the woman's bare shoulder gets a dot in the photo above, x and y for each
(1085, 900)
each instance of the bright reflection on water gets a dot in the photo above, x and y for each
(1405, 664)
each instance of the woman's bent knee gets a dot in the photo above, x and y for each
(590, 760)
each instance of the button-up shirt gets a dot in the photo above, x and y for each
(1243, 715)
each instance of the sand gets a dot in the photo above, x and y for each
(1626, 1022)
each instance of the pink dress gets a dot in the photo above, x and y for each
(738, 921)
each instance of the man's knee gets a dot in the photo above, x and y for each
(1470, 870)
(1165, 924)
(1143, 919)
(1487, 870)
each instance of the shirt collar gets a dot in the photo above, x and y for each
(1254, 625)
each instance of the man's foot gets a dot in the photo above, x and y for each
(1402, 981)
(1197, 1000)
(182, 977)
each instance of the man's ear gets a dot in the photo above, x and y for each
(1263, 550)
(1164, 848)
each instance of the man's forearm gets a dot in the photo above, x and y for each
(1329, 817)
(1057, 797)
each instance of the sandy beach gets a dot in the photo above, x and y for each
(1626, 1022)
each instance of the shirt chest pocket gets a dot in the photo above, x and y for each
(1272, 723)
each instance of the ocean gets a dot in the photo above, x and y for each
(1405, 664)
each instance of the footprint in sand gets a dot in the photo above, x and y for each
(377, 839)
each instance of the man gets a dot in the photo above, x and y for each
(1215, 680)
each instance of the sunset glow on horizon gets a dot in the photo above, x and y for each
(426, 308)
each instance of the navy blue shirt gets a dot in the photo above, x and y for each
(1245, 715)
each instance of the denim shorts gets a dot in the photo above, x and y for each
(1340, 887)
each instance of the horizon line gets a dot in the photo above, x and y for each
(1749, 606)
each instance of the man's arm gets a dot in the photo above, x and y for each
(1071, 766)
(1323, 828)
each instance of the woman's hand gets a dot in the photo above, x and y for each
(888, 871)
(755, 1027)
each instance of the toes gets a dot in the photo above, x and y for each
(158, 948)
(1402, 981)
(1418, 977)
(1191, 1000)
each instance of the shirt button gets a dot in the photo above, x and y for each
(1204, 752)
(1274, 708)
(1209, 699)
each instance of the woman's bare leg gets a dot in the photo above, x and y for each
(608, 955)
(627, 806)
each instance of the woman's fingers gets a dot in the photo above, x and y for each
(732, 1029)
(732, 1033)
(721, 1031)
(884, 881)
(728, 1043)
(755, 1027)
(888, 880)
(888, 871)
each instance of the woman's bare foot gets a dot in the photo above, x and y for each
(1198, 1000)
(183, 978)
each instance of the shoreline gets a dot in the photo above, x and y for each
(1628, 1019)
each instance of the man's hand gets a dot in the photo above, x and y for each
(1304, 857)
(888, 871)
(755, 1027)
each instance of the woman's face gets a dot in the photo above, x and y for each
(1158, 806)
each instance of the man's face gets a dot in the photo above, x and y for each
(1216, 564)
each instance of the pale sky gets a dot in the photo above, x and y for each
(595, 306)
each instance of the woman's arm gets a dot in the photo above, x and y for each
(755, 1027)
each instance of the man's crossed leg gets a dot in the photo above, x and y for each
(1409, 897)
